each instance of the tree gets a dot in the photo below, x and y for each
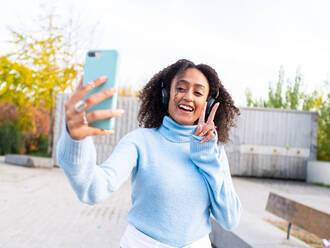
(47, 71)
(46, 61)
(323, 138)
(275, 97)
(292, 98)
(127, 91)
(16, 86)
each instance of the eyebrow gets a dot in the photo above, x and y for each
(186, 82)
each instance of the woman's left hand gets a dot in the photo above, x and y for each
(206, 128)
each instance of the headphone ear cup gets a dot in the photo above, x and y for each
(209, 106)
(164, 96)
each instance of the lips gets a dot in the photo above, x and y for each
(185, 107)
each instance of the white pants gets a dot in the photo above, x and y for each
(133, 238)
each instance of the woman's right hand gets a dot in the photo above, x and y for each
(74, 120)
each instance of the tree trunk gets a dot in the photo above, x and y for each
(51, 131)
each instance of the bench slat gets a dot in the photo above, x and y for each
(308, 218)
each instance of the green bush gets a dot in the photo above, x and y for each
(323, 138)
(10, 138)
(42, 142)
(36, 146)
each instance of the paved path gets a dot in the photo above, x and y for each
(38, 208)
(254, 194)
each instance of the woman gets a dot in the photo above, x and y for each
(177, 162)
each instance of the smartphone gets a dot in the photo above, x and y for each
(100, 63)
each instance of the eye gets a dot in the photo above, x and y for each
(198, 93)
(180, 89)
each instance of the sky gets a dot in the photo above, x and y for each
(246, 42)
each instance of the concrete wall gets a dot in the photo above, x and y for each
(267, 142)
(273, 143)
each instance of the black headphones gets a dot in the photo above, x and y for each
(210, 101)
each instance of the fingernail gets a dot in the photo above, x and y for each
(109, 131)
(120, 111)
(103, 78)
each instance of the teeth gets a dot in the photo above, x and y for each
(186, 107)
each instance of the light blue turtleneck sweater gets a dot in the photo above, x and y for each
(176, 180)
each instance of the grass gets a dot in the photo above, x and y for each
(322, 185)
(307, 237)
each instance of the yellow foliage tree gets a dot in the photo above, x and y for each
(44, 68)
(15, 87)
(127, 91)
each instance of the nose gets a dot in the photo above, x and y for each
(188, 96)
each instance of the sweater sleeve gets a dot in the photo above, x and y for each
(212, 162)
(93, 183)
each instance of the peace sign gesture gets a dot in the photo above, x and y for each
(206, 128)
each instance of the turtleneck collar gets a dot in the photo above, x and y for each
(176, 132)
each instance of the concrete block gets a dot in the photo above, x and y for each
(252, 232)
(29, 161)
(221, 238)
(318, 172)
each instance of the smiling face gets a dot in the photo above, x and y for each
(187, 95)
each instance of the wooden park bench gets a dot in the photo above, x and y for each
(308, 218)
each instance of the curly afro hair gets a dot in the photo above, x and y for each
(152, 110)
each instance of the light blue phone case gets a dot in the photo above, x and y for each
(103, 64)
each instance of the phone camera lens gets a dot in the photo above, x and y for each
(91, 54)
